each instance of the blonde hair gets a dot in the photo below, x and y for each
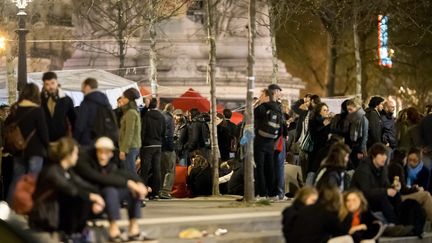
(61, 149)
(303, 194)
(363, 203)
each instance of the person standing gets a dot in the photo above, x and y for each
(389, 124)
(198, 133)
(180, 136)
(358, 132)
(152, 134)
(168, 157)
(130, 129)
(95, 116)
(58, 107)
(27, 114)
(373, 114)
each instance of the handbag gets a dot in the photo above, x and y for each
(307, 143)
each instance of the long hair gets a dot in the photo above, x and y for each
(330, 198)
(363, 203)
(61, 149)
(337, 154)
(413, 115)
(30, 92)
(304, 193)
(200, 162)
(317, 109)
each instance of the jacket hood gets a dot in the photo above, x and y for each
(356, 115)
(97, 97)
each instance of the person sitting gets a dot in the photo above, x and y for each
(321, 219)
(417, 173)
(358, 219)
(62, 200)
(334, 166)
(304, 197)
(116, 185)
(200, 176)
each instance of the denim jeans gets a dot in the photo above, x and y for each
(114, 196)
(131, 158)
(21, 166)
(280, 170)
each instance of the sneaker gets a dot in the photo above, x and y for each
(165, 196)
(259, 198)
(274, 199)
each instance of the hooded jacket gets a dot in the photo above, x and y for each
(130, 128)
(86, 116)
(63, 119)
(153, 128)
(358, 130)
(389, 129)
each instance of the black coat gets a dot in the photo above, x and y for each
(389, 129)
(302, 115)
(31, 118)
(375, 127)
(200, 181)
(366, 218)
(260, 114)
(372, 181)
(426, 131)
(153, 128)
(63, 119)
(87, 115)
(315, 224)
(224, 142)
(109, 176)
(232, 128)
(319, 134)
(289, 216)
(168, 141)
(195, 138)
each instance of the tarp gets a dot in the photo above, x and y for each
(193, 99)
(70, 80)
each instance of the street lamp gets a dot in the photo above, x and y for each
(22, 31)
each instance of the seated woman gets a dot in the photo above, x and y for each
(62, 200)
(116, 185)
(319, 222)
(304, 197)
(358, 219)
(332, 172)
(200, 177)
(417, 174)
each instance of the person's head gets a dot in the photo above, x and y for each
(220, 120)
(65, 152)
(413, 115)
(376, 102)
(50, 83)
(322, 110)
(331, 198)
(355, 201)
(414, 157)
(31, 93)
(104, 150)
(129, 95)
(4, 111)
(399, 156)
(199, 161)
(265, 96)
(120, 101)
(315, 100)
(153, 103)
(193, 113)
(307, 195)
(353, 105)
(275, 92)
(428, 109)
(344, 109)
(389, 106)
(88, 85)
(178, 116)
(169, 108)
(378, 153)
(227, 113)
(338, 155)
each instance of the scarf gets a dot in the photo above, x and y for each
(356, 122)
(413, 173)
(356, 219)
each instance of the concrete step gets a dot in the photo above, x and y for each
(274, 236)
(427, 238)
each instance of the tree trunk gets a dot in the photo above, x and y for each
(120, 40)
(11, 82)
(211, 77)
(249, 193)
(357, 58)
(364, 78)
(153, 52)
(331, 63)
(273, 43)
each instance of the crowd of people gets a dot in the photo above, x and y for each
(355, 171)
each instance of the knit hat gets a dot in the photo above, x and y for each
(131, 94)
(375, 101)
(274, 87)
(104, 143)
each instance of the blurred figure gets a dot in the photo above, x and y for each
(389, 124)
(340, 123)
(409, 131)
(168, 157)
(200, 176)
(358, 132)
(224, 137)
(373, 114)
(180, 136)
(198, 133)
(58, 107)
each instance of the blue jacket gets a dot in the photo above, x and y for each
(168, 141)
(87, 114)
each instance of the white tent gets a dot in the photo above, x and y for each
(70, 81)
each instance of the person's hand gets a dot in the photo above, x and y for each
(97, 208)
(354, 229)
(391, 192)
(142, 191)
(122, 156)
(327, 121)
(95, 198)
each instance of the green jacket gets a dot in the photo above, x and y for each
(130, 128)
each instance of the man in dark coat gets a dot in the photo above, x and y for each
(94, 100)
(197, 140)
(58, 108)
(233, 129)
(426, 131)
(168, 154)
(389, 124)
(152, 135)
(375, 133)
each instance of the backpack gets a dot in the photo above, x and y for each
(14, 140)
(271, 124)
(105, 124)
(412, 213)
(205, 135)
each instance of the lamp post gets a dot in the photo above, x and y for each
(22, 32)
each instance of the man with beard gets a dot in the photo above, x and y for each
(389, 124)
(357, 132)
(58, 108)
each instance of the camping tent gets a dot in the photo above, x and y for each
(70, 81)
(193, 99)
